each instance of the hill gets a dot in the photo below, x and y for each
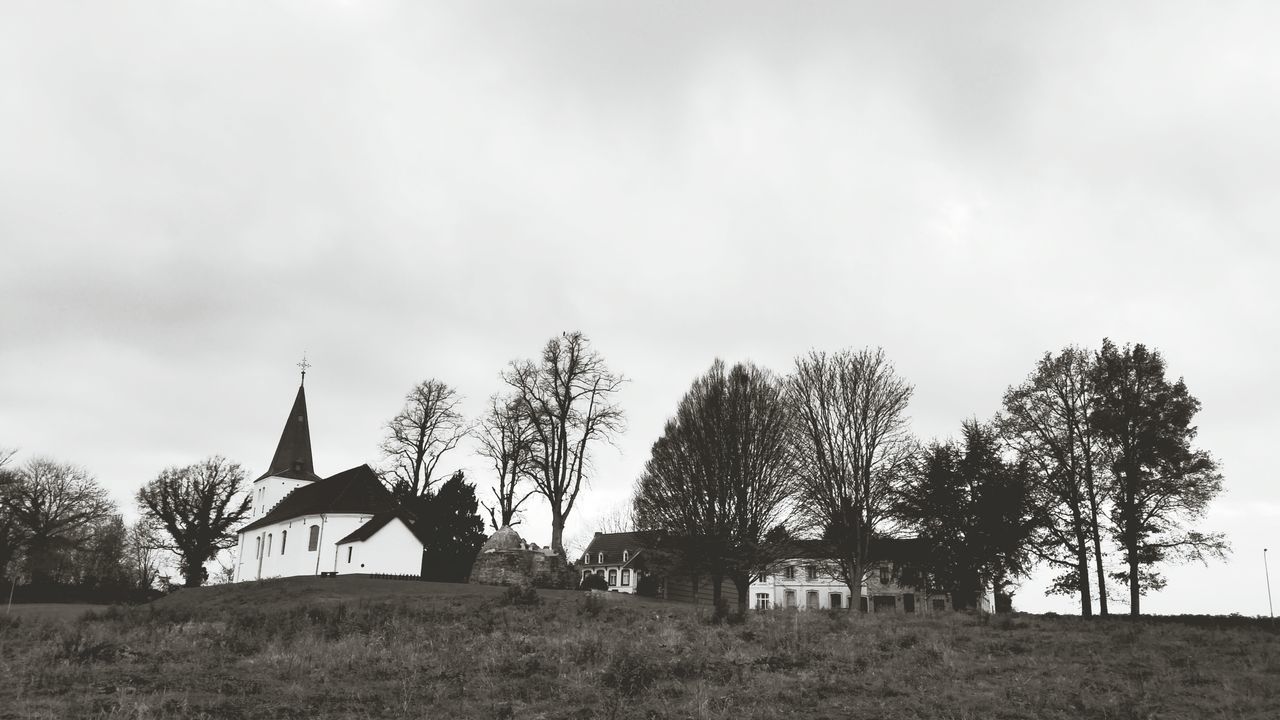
(353, 647)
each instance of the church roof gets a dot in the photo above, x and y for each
(293, 453)
(357, 490)
(379, 521)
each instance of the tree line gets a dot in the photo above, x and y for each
(58, 525)
(1090, 467)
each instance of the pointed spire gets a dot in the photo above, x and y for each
(293, 454)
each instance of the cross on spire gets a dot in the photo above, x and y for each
(304, 365)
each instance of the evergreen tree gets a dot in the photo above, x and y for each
(1161, 484)
(450, 523)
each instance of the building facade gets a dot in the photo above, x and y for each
(613, 556)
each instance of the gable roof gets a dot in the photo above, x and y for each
(357, 490)
(613, 544)
(379, 521)
(293, 452)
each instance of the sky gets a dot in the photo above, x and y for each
(195, 193)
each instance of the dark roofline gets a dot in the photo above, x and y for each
(355, 491)
(379, 521)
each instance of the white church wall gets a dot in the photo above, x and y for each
(297, 558)
(393, 550)
(268, 492)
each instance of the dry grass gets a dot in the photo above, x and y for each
(353, 648)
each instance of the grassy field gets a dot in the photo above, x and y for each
(359, 648)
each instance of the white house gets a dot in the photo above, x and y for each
(612, 556)
(807, 580)
(303, 524)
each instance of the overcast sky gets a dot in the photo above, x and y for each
(194, 193)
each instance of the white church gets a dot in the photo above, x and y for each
(302, 524)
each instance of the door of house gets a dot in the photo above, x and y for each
(908, 602)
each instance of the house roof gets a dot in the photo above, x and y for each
(379, 521)
(357, 490)
(613, 545)
(293, 452)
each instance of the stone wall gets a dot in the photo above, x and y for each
(520, 567)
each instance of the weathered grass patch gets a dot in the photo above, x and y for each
(561, 655)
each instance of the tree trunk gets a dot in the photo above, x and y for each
(1135, 596)
(1082, 570)
(557, 533)
(1097, 549)
(716, 580)
(742, 582)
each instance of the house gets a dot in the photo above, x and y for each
(302, 524)
(808, 579)
(805, 577)
(613, 556)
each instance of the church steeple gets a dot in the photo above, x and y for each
(293, 454)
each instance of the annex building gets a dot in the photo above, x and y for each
(303, 524)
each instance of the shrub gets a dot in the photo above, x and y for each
(520, 595)
(594, 582)
(591, 606)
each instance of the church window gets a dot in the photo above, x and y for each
(626, 577)
(257, 548)
(349, 549)
(613, 577)
(269, 546)
(284, 536)
(314, 541)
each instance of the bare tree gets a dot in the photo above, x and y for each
(197, 506)
(720, 476)
(53, 507)
(506, 437)
(143, 547)
(567, 395)
(854, 450)
(8, 526)
(1048, 420)
(428, 426)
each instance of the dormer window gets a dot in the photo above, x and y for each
(599, 558)
(625, 556)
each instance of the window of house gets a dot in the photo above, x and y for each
(789, 572)
(314, 541)
(886, 574)
(269, 545)
(613, 577)
(762, 601)
(625, 556)
(586, 574)
(349, 549)
(908, 603)
(762, 577)
(885, 603)
(811, 600)
(939, 605)
(836, 601)
(790, 598)
(810, 572)
(600, 572)
(599, 558)
(284, 537)
(626, 577)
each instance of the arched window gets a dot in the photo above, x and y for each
(268, 545)
(314, 541)
(626, 577)
(625, 556)
(586, 574)
(257, 549)
(284, 537)
(600, 572)
(613, 577)
(599, 558)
